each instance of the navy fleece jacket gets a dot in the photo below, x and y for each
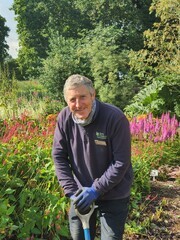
(97, 155)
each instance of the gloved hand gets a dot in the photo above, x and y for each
(84, 200)
(73, 197)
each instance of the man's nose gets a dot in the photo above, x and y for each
(77, 103)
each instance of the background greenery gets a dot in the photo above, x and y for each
(130, 51)
(128, 48)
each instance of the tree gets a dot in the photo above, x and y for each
(96, 56)
(159, 61)
(33, 41)
(131, 17)
(61, 62)
(108, 65)
(8, 91)
(102, 38)
(3, 34)
(13, 68)
(36, 22)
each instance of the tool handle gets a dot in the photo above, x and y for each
(87, 234)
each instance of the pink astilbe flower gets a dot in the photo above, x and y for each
(154, 129)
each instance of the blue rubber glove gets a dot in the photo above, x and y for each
(84, 200)
(73, 196)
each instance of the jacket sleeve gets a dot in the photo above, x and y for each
(61, 161)
(120, 142)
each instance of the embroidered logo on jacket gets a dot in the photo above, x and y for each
(100, 135)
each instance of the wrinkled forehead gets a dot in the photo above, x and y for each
(78, 89)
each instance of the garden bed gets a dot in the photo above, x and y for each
(164, 209)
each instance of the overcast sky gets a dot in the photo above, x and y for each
(12, 40)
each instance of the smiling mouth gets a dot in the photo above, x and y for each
(80, 113)
(79, 110)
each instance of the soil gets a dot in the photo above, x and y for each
(164, 209)
(169, 192)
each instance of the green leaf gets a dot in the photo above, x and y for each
(9, 191)
(14, 227)
(64, 231)
(36, 231)
(10, 210)
(4, 220)
(3, 206)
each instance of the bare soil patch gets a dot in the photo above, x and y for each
(168, 196)
(164, 210)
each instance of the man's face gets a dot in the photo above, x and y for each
(80, 101)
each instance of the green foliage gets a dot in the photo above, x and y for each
(157, 97)
(108, 65)
(161, 45)
(31, 203)
(171, 153)
(52, 106)
(38, 19)
(33, 41)
(3, 34)
(61, 62)
(33, 98)
(17, 97)
(13, 67)
(159, 61)
(29, 63)
(147, 100)
(29, 88)
(147, 156)
(8, 92)
(95, 55)
(131, 17)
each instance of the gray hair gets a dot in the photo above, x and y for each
(77, 80)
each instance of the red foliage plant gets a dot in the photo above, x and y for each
(27, 128)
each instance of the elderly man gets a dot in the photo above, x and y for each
(92, 152)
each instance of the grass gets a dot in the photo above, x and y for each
(27, 97)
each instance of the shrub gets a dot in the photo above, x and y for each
(32, 204)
